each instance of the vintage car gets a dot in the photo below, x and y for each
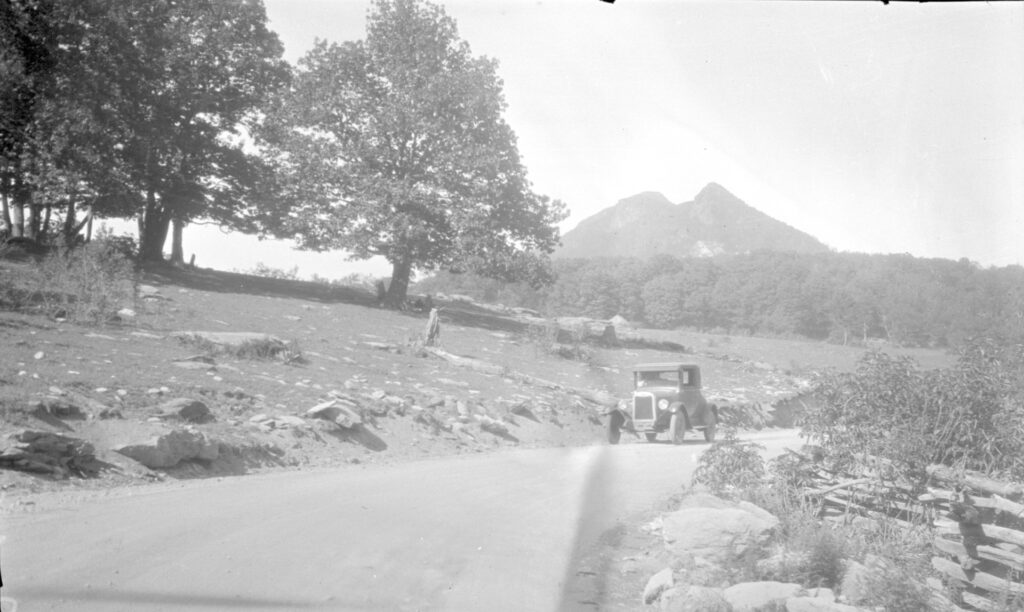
(666, 398)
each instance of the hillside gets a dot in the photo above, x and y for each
(715, 222)
(139, 400)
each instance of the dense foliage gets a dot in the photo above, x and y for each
(841, 297)
(396, 146)
(132, 108)
(970, 415)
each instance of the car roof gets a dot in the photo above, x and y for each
(661, 367)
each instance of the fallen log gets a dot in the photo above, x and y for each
(977, 482)
(981, 580)
(987, 553)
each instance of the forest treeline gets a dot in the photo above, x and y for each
(840, 297)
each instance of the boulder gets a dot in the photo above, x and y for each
(720, 534)
(169, 449)
(49, 453)
(694, 599)
(338, 410)
(59, 408)
(753, 596)
(660, 582)
(190, 410)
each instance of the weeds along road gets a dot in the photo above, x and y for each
(483, 532)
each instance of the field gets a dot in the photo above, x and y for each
(340, 345)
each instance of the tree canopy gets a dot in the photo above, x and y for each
(129, 106)
(395, 146)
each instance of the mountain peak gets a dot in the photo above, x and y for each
(714, 191)
(648, 224)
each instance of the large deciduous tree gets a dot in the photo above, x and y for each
(396, 146)
(129, 106)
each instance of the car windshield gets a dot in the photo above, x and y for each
(658, 379)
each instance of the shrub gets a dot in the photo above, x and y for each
(266, 271)
(970, 416)
(85, 284)
(730, 467)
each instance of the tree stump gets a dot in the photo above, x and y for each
(433, 331)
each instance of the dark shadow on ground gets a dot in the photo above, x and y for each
(202, 279)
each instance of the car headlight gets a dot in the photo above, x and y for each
(663, 404)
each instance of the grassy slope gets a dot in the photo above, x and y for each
(124, 367)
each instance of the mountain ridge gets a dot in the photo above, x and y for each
(714, 222)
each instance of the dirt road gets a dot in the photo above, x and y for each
(485, 532)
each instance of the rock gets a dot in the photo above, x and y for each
(126, 313)
(694, 599)
(817, 604)
(753, 596)
(340, 411)
(110, 413)
(50, 453)
(660, 582)
(719, 534)
(259, 418)
(39, 355)
(289, 421)
(493, 426)
(170, 449)
(60, 408)
(193, 411)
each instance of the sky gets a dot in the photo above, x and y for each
(875, 128)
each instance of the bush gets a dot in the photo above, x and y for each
(730, 467)
(85, 284)
(266, 271)
(969, 416)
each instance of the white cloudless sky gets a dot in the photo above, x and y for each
(875, 128)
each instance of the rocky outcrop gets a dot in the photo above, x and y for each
(49, 453)
(168, 450)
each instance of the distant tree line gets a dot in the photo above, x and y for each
(840, 297)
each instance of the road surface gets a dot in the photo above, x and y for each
(468, 533)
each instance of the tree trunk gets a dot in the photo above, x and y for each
(44, 229)
(69, 223)
(5, 187)
(153, 229)
(17, 211)
(177, 253)
(399, 286)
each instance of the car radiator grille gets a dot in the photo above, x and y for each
(643, 408)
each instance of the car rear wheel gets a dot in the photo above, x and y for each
(614, 428)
